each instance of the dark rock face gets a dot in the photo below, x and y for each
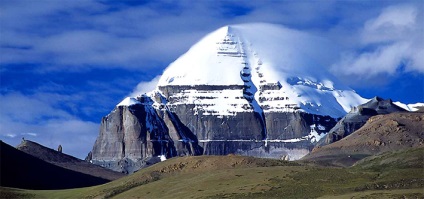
(126, 137)
(357, 117)
(209, 127)
(131, 137)
(289, 125)
(130, 134)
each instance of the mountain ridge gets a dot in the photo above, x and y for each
(66, 161)
(257, 56)
(22, 170)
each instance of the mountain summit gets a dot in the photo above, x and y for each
(273, 65)
(250, 89)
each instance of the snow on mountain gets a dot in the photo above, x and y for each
(219, 57)
(242, 89)
(274, 66)
(251, 89)
(410, 107)
(128, 101)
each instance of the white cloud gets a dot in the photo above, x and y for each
(17, 107)
(145, 87)
(30, 134)
(37, 119)
(394, 23)
(394, 39)
(76, 136)
(385, 59)
(127, 37)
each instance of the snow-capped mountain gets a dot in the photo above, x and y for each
(264, 60)
(245, 89)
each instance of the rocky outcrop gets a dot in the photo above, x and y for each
(357, 117)
(133, 136)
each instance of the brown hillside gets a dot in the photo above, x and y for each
(381, 133)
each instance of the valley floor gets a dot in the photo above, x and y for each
(391, 175)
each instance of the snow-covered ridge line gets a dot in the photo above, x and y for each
(410, 107)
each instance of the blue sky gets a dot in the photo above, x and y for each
(66, 64)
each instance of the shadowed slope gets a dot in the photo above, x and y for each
(22, 170)
(67, 161)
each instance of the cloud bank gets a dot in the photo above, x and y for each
(145, 87)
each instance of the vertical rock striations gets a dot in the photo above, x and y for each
(135, 135)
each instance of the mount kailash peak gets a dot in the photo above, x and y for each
(244, 89)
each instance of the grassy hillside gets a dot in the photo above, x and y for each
(403, 159)
(391, 175)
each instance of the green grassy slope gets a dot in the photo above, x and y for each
(403, 159)
(390, 175)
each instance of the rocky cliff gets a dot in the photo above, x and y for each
(131, 136)
(135, 135)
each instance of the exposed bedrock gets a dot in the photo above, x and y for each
(134, 136)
